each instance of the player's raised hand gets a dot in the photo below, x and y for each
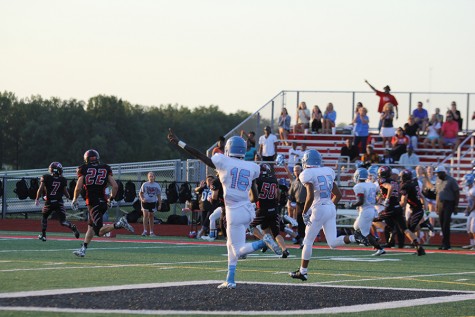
(172, 137)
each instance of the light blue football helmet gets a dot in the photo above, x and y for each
(235, 147)
(468, 179)
(311, 158)
(360, 175)
(373, 170)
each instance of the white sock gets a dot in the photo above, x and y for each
(352, 238)
(303, 270)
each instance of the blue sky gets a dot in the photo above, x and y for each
(234, 54)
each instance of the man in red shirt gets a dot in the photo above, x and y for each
(449, 132)
(384, 98)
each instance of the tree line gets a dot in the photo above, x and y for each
(35, 131)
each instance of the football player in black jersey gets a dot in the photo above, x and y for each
(392, 215)
(95, 177)
(53, 186)
(267, 220)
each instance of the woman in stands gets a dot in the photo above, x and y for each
(284, 126)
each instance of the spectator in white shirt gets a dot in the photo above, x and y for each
(268, 145)
(294, 156)
(409, 160)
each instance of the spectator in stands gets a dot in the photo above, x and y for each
(350, 150)
(284, 126)
(433, 132)
(386, 159)
(250, 145)
(399, 144)
(303, 118)
(449, 132)
(151, 199)
(361, 128)
(439, 117)
(386, 124)
(370, 157)
(455, 114)
(203, 191)
(316, 119)
(329, 119)
(294, 156)
(409, 160)
(421, 117)
(448, 194)
(219, 148)
(384, 98)
(411, 130)
(268, 145)
(250, 138)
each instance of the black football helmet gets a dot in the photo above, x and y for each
(55, 168)
(91, 157)
(405, 176)
(265, 170)
(384, 172)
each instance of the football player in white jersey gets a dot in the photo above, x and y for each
(319, 209)
(469, 189)
(237, 177)
(366, 199)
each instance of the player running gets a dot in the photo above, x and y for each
(54, 186)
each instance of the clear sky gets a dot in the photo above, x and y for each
(234, 54)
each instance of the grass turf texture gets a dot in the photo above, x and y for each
(30, 264)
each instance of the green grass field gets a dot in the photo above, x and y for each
(32, 265)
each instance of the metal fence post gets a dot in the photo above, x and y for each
(4, 200)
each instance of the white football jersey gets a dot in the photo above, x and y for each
(322, 179)
(369, 192)
(236, 177)
(470, 194)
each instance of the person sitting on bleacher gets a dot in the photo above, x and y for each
(370, 157)
(350, 150)
(449, 132)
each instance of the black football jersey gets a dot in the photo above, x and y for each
(54, 186)
(95, 181)
(267, 189)
(216, 185)
(411, 190)
(394, 196)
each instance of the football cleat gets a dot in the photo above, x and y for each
(41, 237)
(123, 223)
(379, 252)
(144, 234)
(80, 252)
(420, 251)
(298, 275)
(152, 234)
(228, 285)
(468, 246)
(285, 254)
(271, 244)
(360, 239)
(208, 238)
(75, 231)
(264, 249)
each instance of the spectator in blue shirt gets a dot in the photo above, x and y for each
(329, 119)
(361, 128)
(421, 116)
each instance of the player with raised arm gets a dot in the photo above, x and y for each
(237, 177)
(54, 186)
(366, 200)
(319, 209)
(95, 177)
(393, 215)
